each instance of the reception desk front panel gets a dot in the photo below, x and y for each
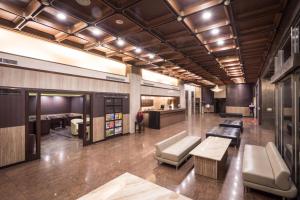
(162, 118)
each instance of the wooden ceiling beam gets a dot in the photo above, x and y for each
(33, 8)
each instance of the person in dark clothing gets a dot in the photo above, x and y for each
(140, 120)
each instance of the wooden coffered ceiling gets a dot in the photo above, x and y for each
(198, 41)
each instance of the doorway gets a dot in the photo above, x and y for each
(220, 105)
(57, 123)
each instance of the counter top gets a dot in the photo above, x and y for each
(212, 148)
(130, 187)
(167, 111)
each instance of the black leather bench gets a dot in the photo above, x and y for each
(226, 132)
(234, 123)
(236, 115)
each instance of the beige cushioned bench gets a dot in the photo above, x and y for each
(265, 170)
(175, 150)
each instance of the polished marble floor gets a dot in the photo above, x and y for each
(67, 170)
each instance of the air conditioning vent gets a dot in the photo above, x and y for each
(111, 78)
(8, 61)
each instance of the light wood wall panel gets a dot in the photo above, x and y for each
(12, 145)
(14, 77)
(146, 90)
(221, 94)
(233, 109)
(98, 129)
(126, 123)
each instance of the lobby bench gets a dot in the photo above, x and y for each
(226, 132)
(175, 150)
(235, 115)
(234, 123)
(265, 170)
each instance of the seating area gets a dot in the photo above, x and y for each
(150, 99)
(226, 132)
(265, 170)
(175, 150)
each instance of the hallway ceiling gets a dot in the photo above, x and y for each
(198, 41)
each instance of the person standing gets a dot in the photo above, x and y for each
(140, 119)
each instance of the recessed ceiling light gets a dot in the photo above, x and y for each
(151, 55)
(96, 31)
(220, 42)
(61, 16)
(206, 15)
(120, 42)
(215, 31)
(179, 18)
(119, 21)
(84, 2)
(138, 50)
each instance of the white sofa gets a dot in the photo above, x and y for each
(175, 150)
(265, 170)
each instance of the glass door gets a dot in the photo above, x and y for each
(288, 133)
(297, 136)
(33, 125)
(87, 120)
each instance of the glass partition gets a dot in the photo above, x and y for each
(287, 123)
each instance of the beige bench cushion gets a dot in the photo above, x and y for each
(168, 142)
(280, 170)
(256, 166)
(181, 148)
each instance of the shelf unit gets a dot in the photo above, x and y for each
(113, 107)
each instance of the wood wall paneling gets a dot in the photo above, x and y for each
(15, 77)
(235, 109)
(12, 145)
(98, 129)
(155, 91)
(126, 123)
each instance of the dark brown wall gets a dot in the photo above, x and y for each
(56, 105)
(12, 109)
(207, 96)
(76, 105)
(98, 105)
(268, 101)
(240, 95)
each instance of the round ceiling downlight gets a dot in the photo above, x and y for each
(119, 21)
(84, 2)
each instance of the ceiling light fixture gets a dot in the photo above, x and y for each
(216, 89)
(84, 2)
(215, 31)
(61, 16)
(220, 42)
(119, 21)
(151, 55)
(206, 15)
(138, 50)
(96, 31)
(120, 42)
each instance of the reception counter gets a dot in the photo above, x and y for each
(162, 118)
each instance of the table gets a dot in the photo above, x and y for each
(130, 187)
(210, 157)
